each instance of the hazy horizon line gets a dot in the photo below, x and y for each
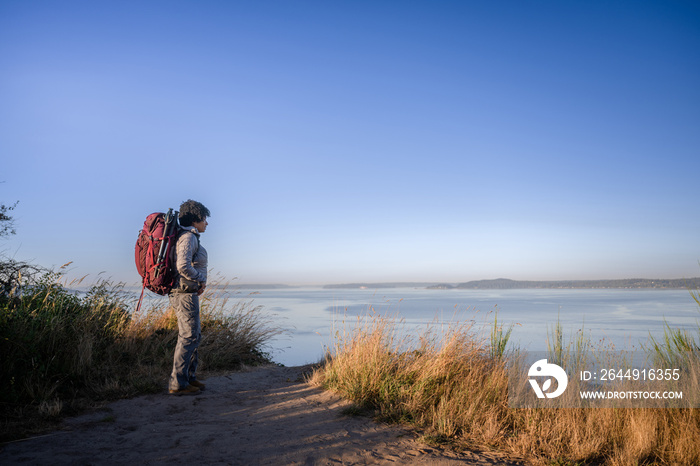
(410, 283)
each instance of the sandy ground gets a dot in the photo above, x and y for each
(265, 416)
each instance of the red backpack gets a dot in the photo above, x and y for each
(155, 253)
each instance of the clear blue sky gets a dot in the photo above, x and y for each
(358, 140)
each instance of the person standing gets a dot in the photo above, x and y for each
(191, 263)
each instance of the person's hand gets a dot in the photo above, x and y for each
(201, 289)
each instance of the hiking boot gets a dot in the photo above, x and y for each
(198, 384)
(189, 390)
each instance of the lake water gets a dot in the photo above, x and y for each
(622, 319)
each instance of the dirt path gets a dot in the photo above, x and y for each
(266, 416)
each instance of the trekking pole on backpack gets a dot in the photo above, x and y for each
(170, 226)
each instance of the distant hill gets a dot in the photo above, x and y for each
(507, 284)
(630, 283)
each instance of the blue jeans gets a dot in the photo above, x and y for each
(185, 360)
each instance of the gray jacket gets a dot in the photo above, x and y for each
(190, 260)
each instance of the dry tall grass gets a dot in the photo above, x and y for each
(454, 387)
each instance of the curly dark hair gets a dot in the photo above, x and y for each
(192, 211)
